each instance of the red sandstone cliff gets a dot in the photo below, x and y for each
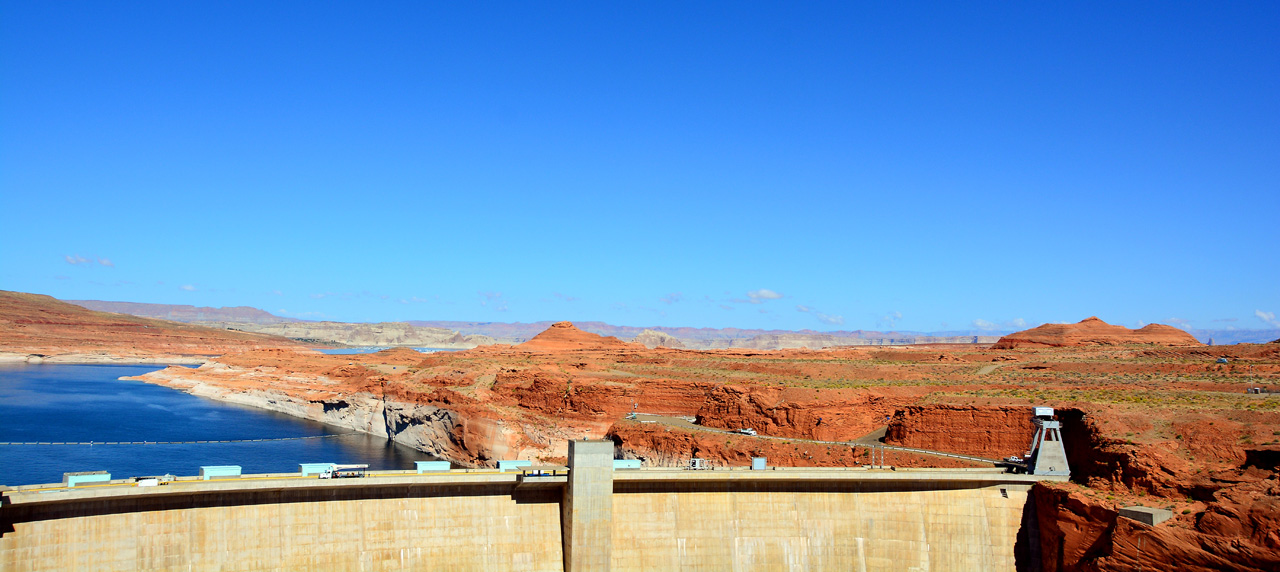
(988, 432)
(1237, 530)
(1092, 331)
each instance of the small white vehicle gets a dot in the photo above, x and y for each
(344, 471)
(746, 431)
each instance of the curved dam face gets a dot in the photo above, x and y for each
(592, 519)
(831, 526)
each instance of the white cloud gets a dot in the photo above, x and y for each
(830, 319)
(106, 262)
(1179, 322)
(493, 300)
(985, 325)
(188, 287)
(565, 297)
(671, 298)
(889, 320)
(75, 260)
(758, 296)
(1268, 317)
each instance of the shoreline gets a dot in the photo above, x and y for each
(9, 358)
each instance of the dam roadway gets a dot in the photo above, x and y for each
(584, 517)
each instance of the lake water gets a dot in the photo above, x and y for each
(88, 403)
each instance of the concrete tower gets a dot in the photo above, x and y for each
(1048, 457)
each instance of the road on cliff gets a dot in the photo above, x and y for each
(869, 441)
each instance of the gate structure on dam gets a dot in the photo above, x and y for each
(588, 517)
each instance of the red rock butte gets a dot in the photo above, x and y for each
(562, 336)
(1094, 332)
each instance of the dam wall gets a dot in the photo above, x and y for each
(840, 525)
(389, 524)
(784, 519)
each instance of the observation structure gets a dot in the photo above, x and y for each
(1046, 455)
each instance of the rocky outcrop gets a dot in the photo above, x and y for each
(1094, 332)
(655, 339)
(841, 415)
(1238, 530)
(438, 430)
(988, 432)
(563, 336)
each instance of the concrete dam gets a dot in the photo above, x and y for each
(587, 516)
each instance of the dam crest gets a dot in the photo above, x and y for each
(587, 516)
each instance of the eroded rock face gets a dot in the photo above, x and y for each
(1238, 530)
(655, 339)
(833, 415)
(1092, 331)
(563, 336)
(988, 432)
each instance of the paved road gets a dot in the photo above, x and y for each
(870, 440)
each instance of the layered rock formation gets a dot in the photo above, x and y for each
(1094, 332)
(832, 415)
(1237, 530)
(359, 334)
(36, 328)
(655, 339)
(185, 313)
(988, 432)
(564, 336)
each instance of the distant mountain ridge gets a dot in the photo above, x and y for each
(35, 328)
(715, 338)
(185, 313)
(482, 333)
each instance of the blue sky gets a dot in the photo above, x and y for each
(828, 166)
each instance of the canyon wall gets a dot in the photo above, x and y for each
(438, 431)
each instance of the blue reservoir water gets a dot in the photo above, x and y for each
(88, 403)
